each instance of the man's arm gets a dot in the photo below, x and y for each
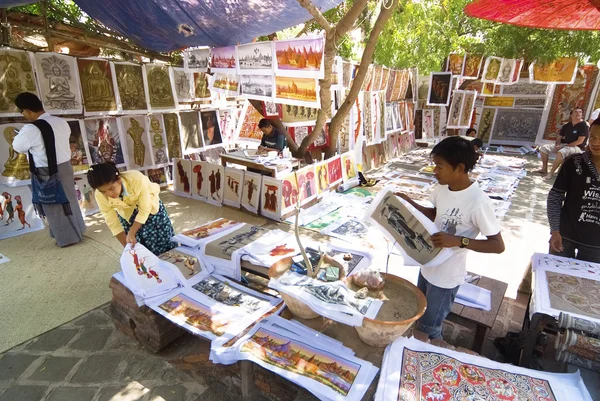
(24, 140)
(429, 212)
(579, 141)
(493, 243)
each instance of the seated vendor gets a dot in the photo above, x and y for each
(273, 139)
(477, 144)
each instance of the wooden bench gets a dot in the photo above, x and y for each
(478, 320)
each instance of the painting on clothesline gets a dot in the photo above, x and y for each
(104, 141)
(58, 80)
(130, 83)
(97, 86)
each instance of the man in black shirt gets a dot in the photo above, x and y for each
(570, 140)
(273, 139)
(573, 204)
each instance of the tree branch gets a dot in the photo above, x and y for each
(306, 28)
(316, 14)
(349, 19)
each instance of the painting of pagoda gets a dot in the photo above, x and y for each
(292, 355)
(223, 57)
(226, 82)
(303, 55)
(303, 89)
(186, 310)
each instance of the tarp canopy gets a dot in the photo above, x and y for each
(15, 3)
(166, 25)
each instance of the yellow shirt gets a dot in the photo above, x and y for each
(139, 193)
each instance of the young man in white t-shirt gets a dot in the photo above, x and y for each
(461, 211)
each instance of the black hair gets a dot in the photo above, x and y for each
(29, 101)
(477, 142)
(103, 173)
(470, 130)
(577, 108)
(456, 150)
(264, 123)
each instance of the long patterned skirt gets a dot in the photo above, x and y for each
(156, 233)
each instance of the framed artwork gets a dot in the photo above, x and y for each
(491, 69)
(297, 91)
(199, 183)
(201, 86)
(215, 174)
(293, 116)
(348, 166)
(227, 119)
(456, 63)
(270, 198)
(130, 88)
(157, 176)
(516, 126)
(17, 76)
(104, 141)
(289, 193)
(183, 82)
(307, 184)
(98, 86)
(182, 178)
(227, 84)
(58, 80)
(259, 87)
(232, 193)
(161, 94)
(272, 110)
(561, 71)
(196, 60)
(79, 155)
(158, 139)
(138, 145)
(14, 165)
(507, 71)
(334, 170)
(187, 263)
(248, 129)
(255, 58)
(211, 131)
(300, 58)
(223, 60)
(322, 176)
(439, 89)
(17, 212)
(472, 66)
(486, 122)
(191, 132)
(85, 195)
(251, 191)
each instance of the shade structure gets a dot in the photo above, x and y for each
(550, 14)
(166, 25)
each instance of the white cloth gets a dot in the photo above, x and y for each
(595, 114)
(463, 213)
(30, 139)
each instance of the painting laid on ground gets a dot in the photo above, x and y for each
(97, 86)
(225, 246)
(17, 215)
(104, 141)
(130, 84)
(58, 81)
(186, 262)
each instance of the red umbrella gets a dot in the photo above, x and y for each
(551, 14)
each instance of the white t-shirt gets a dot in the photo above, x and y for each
(463, 213)
(30, 139)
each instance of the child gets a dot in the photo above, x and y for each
(131, 207)
(461, 211)
(477, 144)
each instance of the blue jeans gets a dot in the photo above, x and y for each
(439, 304)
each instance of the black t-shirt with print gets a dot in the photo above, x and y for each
(276, 140)
(571, 132)
(580, 213)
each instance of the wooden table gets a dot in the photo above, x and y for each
(477, 319)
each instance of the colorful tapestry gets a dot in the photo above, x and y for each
(17, 76)
(158, 139)
(171, 122)
(104, 141)
(97, 86)
(17, 215)
(139, 147)
(160, 88)
(130, 85)
(58, 81)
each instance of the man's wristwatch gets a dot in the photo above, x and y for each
(464, 242)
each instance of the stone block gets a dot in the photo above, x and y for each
(54, 369)
(52, 340)
(13, 365)
(94, 318)
(91, 339)
(72, 394)
(98, 369)
(169, 393)
(144, 367)
(23, 393)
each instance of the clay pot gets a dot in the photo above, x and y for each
(380, 333)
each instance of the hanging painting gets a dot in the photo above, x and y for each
(211, 132)
(232, 193)
(227, 119)
(517, 71)
(439, 89)
(251, 191)
(302, 58)
(486, 123)
(196, 60)
(97, 86)
(296, 91)
(17, 215)
(456, 63)
(184, 85)
(227, 84)
(561, 71)
(516, 126)
(455, 108)
(322, 177)
(191, 132)
(289, 193)
(215, 174)
(201, 86)
(85, 195)
(248, 129)
(17, 76)
(199, 182)
(334, 169)
(15, 165)
(104, 141)
(525, 89)
(259, 87)
(467, 109)
(183, 176)
(130, 88)
(491, 69)
(158, 139)
(307, 184)
(139, 147)
(58, 80)
(472, 66)
(272, 110)
(368, 118)
(255, 58)
(79, 155)
(293, 116)
(376, 78)
(270, 198)
(157, 176)
(223, 60)
(507, 71)
(160, 88)
(348, 166)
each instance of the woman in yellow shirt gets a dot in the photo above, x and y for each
(131, 207)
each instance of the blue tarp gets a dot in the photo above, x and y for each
(15, 3)
(166, 25)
